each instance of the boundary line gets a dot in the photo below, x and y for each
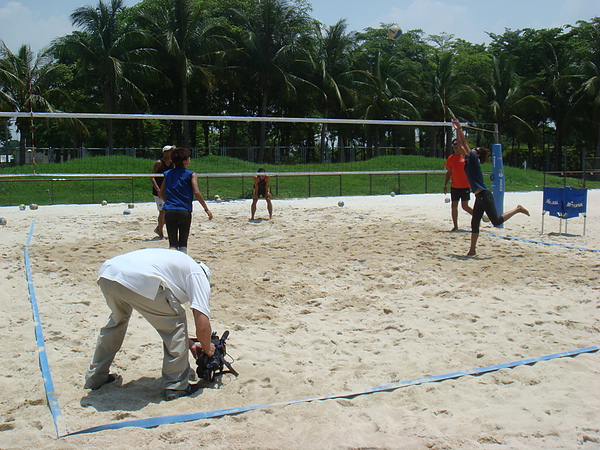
(41, 345)
(544, 243)
(156, 421)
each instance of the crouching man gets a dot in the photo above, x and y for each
(155, 282)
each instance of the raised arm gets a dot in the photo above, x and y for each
(461, 140)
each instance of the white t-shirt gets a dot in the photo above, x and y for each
(144, 271)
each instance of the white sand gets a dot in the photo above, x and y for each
(320, 300)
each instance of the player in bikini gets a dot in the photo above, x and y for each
(261, 189)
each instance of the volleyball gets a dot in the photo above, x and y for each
(131, 206)
(394, 32)
(104, 203)
(340, 203)
(3, 221)
(393, 194)
(126, 212)
(447, 199)
(33, 206)
(486, 219)
(22, 207)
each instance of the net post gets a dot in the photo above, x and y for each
(498, 179)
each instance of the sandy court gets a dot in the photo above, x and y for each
(320, 300)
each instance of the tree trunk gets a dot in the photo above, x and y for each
(21, 126)
(263, 129)
(597, 150)
(342, 146)
(109, 108)
(184, 111)
(323, 134)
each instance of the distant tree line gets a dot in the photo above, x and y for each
(271, 58)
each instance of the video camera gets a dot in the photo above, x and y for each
(211, 366)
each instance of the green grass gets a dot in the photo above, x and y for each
(63, 190)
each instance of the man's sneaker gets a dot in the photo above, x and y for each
(111, 378)
(172, 394)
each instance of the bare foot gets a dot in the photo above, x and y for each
(472, 253)
(522, 210)
(159, 233)
(454, 229)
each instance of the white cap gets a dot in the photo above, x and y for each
(166, 148)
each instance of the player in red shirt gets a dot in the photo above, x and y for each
(460, 190)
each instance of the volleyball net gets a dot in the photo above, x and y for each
(333, 166)
(288, 140)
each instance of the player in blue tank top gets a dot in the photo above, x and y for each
(178, 190)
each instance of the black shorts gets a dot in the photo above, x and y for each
(462, 194)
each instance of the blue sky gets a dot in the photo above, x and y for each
(37, 22)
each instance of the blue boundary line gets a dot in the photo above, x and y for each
(39, 336)
(156, 421)
(544, 243)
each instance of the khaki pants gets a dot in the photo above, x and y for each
(164, 313)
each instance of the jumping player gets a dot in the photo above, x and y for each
(484, 200)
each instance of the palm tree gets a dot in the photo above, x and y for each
(272, 32)
(563, 78)
(27, 82)
(105, 54)
(511, 104)
(448, 96)
(511, 101)
(186, 42)
(592, 90)
(331, 64)
(586, 110)
(383, 96)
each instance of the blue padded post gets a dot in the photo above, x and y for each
(498, 179)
